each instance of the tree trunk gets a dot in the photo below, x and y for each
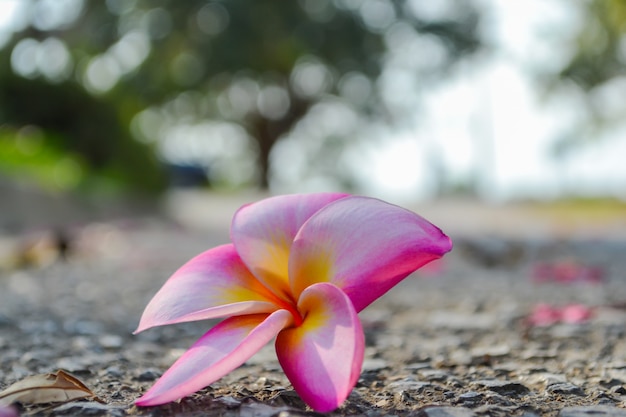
(267, 132)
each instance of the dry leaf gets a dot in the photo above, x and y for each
(59, 386)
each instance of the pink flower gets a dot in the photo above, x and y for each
(299, 269)
(567, 272)
(547, 315)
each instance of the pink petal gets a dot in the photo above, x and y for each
(364, 246)
(215, 283)
(576, 313)
(323, 356)
(264, 231)
(544, 315)
(222, 349)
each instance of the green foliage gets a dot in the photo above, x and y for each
(601, 49)
(64, 126)
(29, 154)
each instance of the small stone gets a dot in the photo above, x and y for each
(148, 375)
(471, 398)
(408, 384)
(89, 409)
(565, 389)
(371, 365)
(230, 402)
(260, 410)
(507, 388)
(111, 341)
(434, 375)
(545, 379)
(114, 372)
(444, 412)
(592, 411)
(417, 366)
(618, 389)
(609, 383)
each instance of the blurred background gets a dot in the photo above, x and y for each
(413, 101)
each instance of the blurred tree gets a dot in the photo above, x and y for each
(259, 65)
(600, 45)
(77, 123)
(597, 68)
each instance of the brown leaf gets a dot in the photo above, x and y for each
(59, 386)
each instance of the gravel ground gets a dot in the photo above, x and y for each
(452, 340)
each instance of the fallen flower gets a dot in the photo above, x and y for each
(567, 272)
(299, 269)
(547, 315)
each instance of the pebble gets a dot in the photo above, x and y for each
(148, 375)
(229, 401)
(444, 412)
(114, 372)
(90, 409)
(470, 397)
(545, 378)
(408, 384)
(508, 388)
(592, 411)
(565, 389)
(261, 410)
(434, 375)
(618, 389)
(111, 341)
(371, 365)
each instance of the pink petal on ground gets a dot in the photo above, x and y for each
(215, 283)
(544, 315)
(364, 246)
(323, 356)
(576, 313)
(264, 231)
(222, 349)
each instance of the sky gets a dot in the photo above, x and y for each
(489, 120)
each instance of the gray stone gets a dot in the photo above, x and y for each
(261, 410)
(565, 389)
(470, 398)
(507, 388)
(371, 365)
(89, 409)
(408, 384)
(443, 412)
(148, 375)
(229, 401)
(592, 411)
(434, 375)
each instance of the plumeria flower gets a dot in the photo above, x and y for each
(299, 269)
